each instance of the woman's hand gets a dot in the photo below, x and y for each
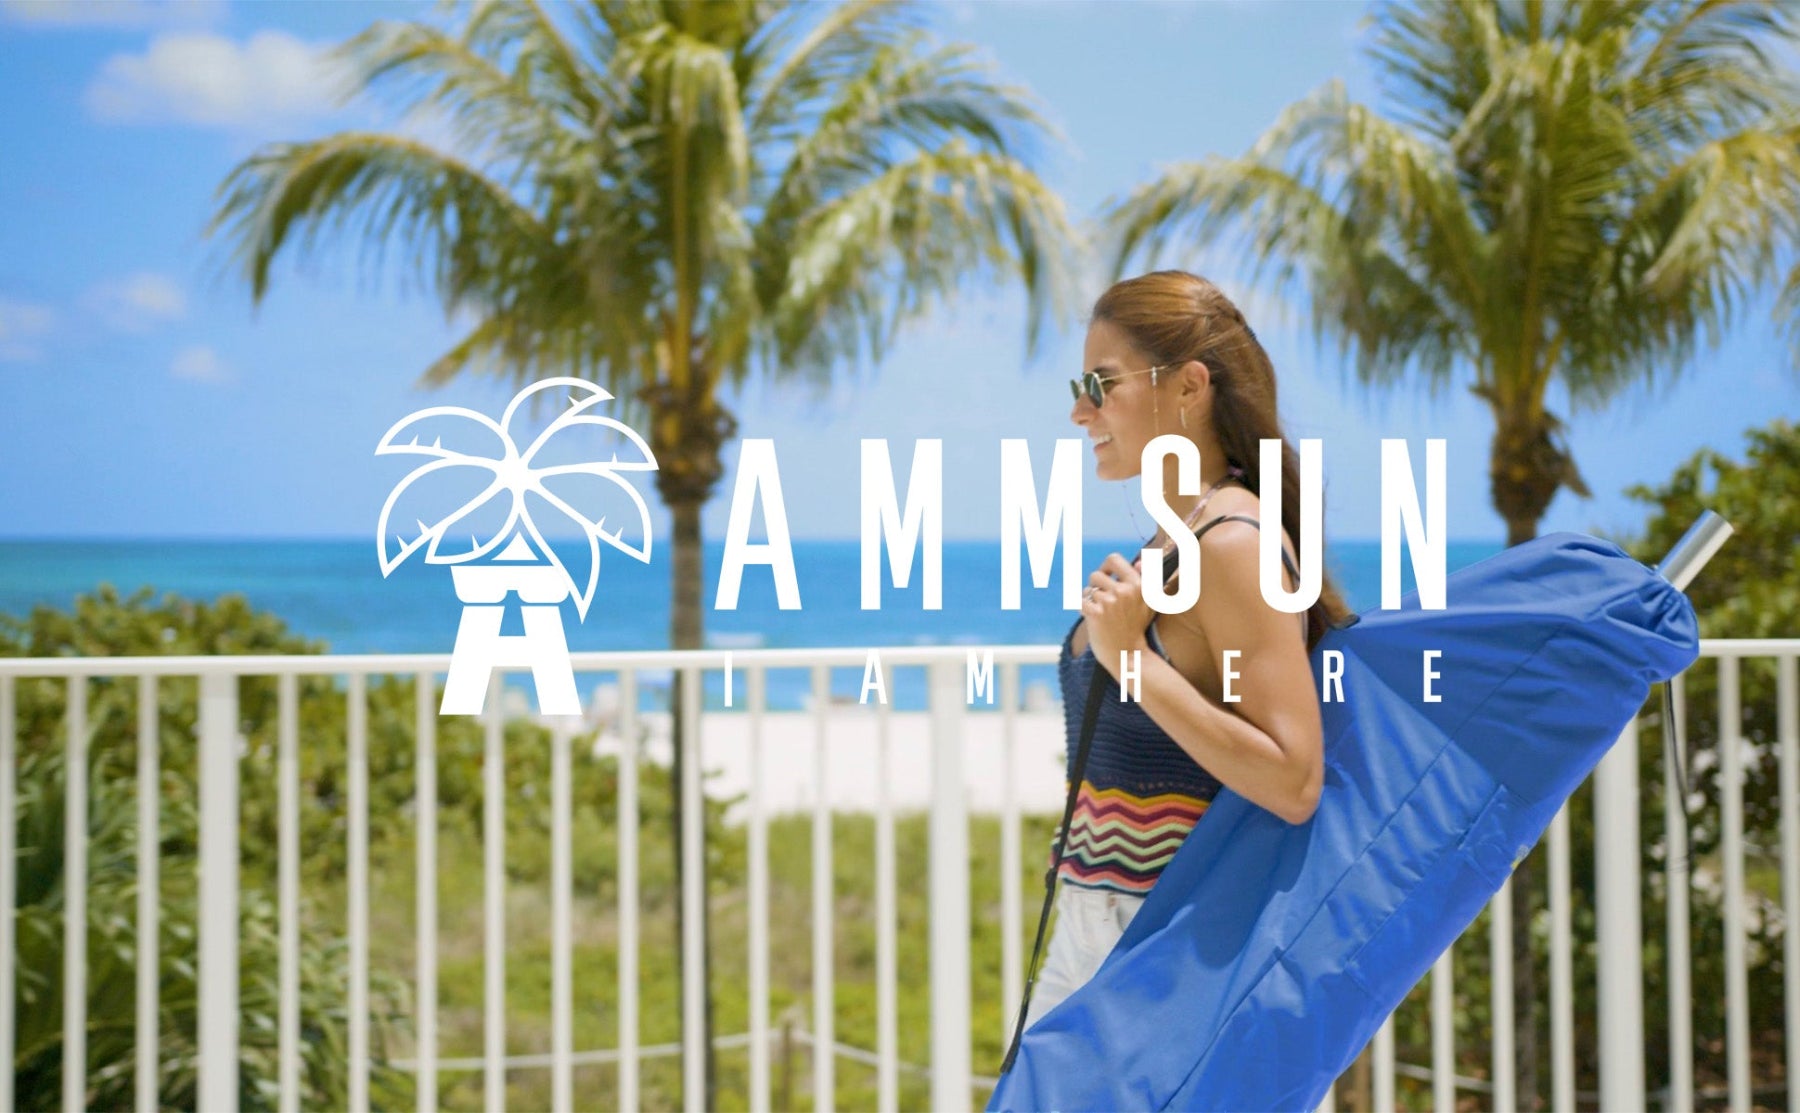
(1114, 609)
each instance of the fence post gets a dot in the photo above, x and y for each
(694, 1050)
(787, 1060)
(1618, 925)
(218, 867)
(75, 882)
(8, 889)
(950, 1083)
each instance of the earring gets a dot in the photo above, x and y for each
(1184, 419)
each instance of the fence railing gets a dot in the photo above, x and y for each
(1619, 1003)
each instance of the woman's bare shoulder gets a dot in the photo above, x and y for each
(1231, 555)
(1232, 541)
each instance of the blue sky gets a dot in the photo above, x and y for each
(142, 397)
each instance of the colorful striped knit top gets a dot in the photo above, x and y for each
(1141, 793)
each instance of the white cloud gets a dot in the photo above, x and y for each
(196, 77)
(198, 363)
(21, 325)
(125, 14)
(138, 302)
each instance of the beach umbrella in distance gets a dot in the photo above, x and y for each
(576, 468)
(1268, 953)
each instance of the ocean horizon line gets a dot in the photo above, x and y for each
(330, 589)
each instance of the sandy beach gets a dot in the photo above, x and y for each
(855, 775)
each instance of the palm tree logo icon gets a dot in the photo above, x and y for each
(505, 551)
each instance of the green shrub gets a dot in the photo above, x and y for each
(104, 624)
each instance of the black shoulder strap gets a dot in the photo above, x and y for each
(1089, 716)
(1286, 560)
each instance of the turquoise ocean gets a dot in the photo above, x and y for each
(333, 591)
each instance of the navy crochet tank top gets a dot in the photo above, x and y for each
(1141, 793)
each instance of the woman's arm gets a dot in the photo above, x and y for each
(1267, 747)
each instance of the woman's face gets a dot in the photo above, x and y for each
(1118, 430)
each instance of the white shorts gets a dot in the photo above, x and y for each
(1088, 924)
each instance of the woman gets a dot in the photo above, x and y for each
(1169, 353)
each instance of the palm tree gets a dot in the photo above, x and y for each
(1577, 192)
(669, 197)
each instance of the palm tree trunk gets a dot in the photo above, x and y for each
(1521, 526)
(686, 622)
(686, 619)
(688, 430)
(1525, 997)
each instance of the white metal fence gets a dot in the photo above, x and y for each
(1620, 940)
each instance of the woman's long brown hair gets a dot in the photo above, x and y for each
(1173, 317)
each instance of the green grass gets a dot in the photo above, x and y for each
(594, 958)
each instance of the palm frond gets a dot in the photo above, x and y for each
(557, 68)
(1689, 255)
(906, 110)
(805, 60)
(1357, 212)
(1704, 66)
(903, 100)
(1787, 313)
(416, 67)
(451, 216)
(918, 229)
(645, 186)
(1580, 191)
(527, 343)
(1433, 60)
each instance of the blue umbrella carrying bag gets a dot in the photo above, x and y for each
(1267, 954)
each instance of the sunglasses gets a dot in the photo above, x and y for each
(1093, 387)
